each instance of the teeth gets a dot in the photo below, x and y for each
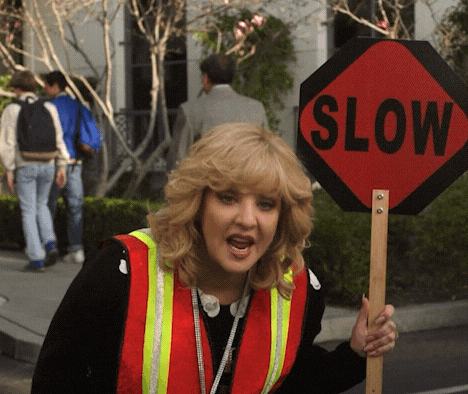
(239, 243)
(239, 239)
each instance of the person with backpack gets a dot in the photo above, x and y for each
(82, 138)
(31, 145)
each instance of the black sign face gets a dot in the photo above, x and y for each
(384, 114)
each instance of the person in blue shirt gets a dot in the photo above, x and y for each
(74, 118)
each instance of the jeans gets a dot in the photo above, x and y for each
(72, 194)
(33, 183)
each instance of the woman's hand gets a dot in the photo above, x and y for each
(379, 341)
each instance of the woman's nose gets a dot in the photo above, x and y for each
(246, 214)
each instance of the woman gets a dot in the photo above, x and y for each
(216, 297)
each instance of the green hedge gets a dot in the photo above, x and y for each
(426, 253)
(103, 217)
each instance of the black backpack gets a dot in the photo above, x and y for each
(35, 131)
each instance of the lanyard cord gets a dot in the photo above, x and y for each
(227, 350)
(196, 319)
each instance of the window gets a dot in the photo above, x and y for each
(140, 82)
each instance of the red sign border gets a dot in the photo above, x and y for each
(427, 191)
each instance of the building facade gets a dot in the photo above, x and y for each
(316, 38)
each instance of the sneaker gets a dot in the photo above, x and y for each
(51, 258)
(34, 266)
(75, 257)
(52, 254)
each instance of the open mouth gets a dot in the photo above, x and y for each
(240, 243)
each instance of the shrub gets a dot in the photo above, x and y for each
(441, 244)
(103, 218)
(426, 254)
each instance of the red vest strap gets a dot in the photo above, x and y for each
(183, 367)
(253, 358)
(131, 360)
(254, 353)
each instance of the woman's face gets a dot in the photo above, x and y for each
(238, 226)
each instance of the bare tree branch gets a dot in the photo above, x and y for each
(157, 22)
(390, 26)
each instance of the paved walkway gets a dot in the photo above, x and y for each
(29, 300)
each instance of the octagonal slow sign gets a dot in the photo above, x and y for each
(384, 114)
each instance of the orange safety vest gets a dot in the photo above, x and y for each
(159, 349)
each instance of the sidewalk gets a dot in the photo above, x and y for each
(29, 300)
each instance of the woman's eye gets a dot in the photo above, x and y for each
(225, 198)
(267, 204)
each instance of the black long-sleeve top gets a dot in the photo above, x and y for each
(81, 351)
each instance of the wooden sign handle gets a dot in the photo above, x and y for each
(377, 281)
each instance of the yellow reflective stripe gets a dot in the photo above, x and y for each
(285, 319)
(289, 275)
(286, 309)
(158, 328)
(150, 309)
(166, 332)
(280, 314)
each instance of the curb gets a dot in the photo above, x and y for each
(22, 344)
(18, 341)
(25, 318)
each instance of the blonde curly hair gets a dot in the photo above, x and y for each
(229, 156)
